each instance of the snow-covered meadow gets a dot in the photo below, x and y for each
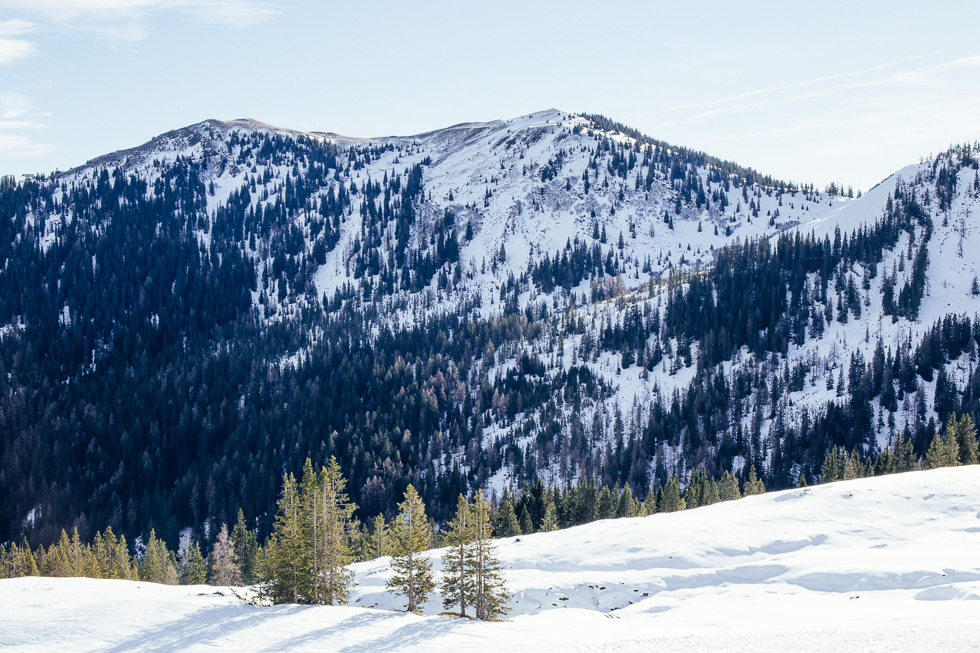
(889, 563)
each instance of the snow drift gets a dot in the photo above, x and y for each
(887, 563)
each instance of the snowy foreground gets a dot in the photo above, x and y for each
(891, 563)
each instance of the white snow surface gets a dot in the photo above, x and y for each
(881, 564)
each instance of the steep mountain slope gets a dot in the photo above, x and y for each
(554, 296)
(871, 564)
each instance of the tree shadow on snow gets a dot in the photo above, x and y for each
(209, 625)
(415, 632)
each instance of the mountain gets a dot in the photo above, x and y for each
(553, 297)
(885, 562)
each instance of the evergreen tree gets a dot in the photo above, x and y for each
(627, 506)
(670, 497)
(649, 505)
(158, 565)
(197, 568)
(753, 484)
(506, 524)
(286, 558)
(854, 468)
(728, 488)
(549, 521)
(411, 571)
(244, 542)
(831, 470)
(966, 440)
(944, 450)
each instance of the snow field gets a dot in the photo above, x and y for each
(889, 563)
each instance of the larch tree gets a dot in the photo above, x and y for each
(489, 596)
(224, 561)
(411, 570)
(457, 581)
(334, 547)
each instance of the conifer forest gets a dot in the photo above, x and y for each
(239, 354)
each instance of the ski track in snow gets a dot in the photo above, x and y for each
(880, 564)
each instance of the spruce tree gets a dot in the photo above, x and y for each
(649, 505)
(159, 565)
(285, 557)
(626, 507)
(966, 440)
(670, 497)
(944, 450)
(549, 521)
(457, 582)
(606, 509)
(728, 488)
(753, 484)
(411, 570)
(197, 568)
(245, 545)
(506, 524)
(853, 469)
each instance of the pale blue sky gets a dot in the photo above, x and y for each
(814, 92)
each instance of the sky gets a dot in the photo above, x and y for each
(808, 92)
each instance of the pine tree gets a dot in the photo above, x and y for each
(489, 595)
(411, 571)
(458, 585)
(728, 488)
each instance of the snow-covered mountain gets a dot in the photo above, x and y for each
(871, 564)
(509, 300)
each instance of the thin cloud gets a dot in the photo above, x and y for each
(922, 76)
(20, 146)
(16, 117)
(774, 89)
(12, 50)
(16, 27)
(124, 19)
